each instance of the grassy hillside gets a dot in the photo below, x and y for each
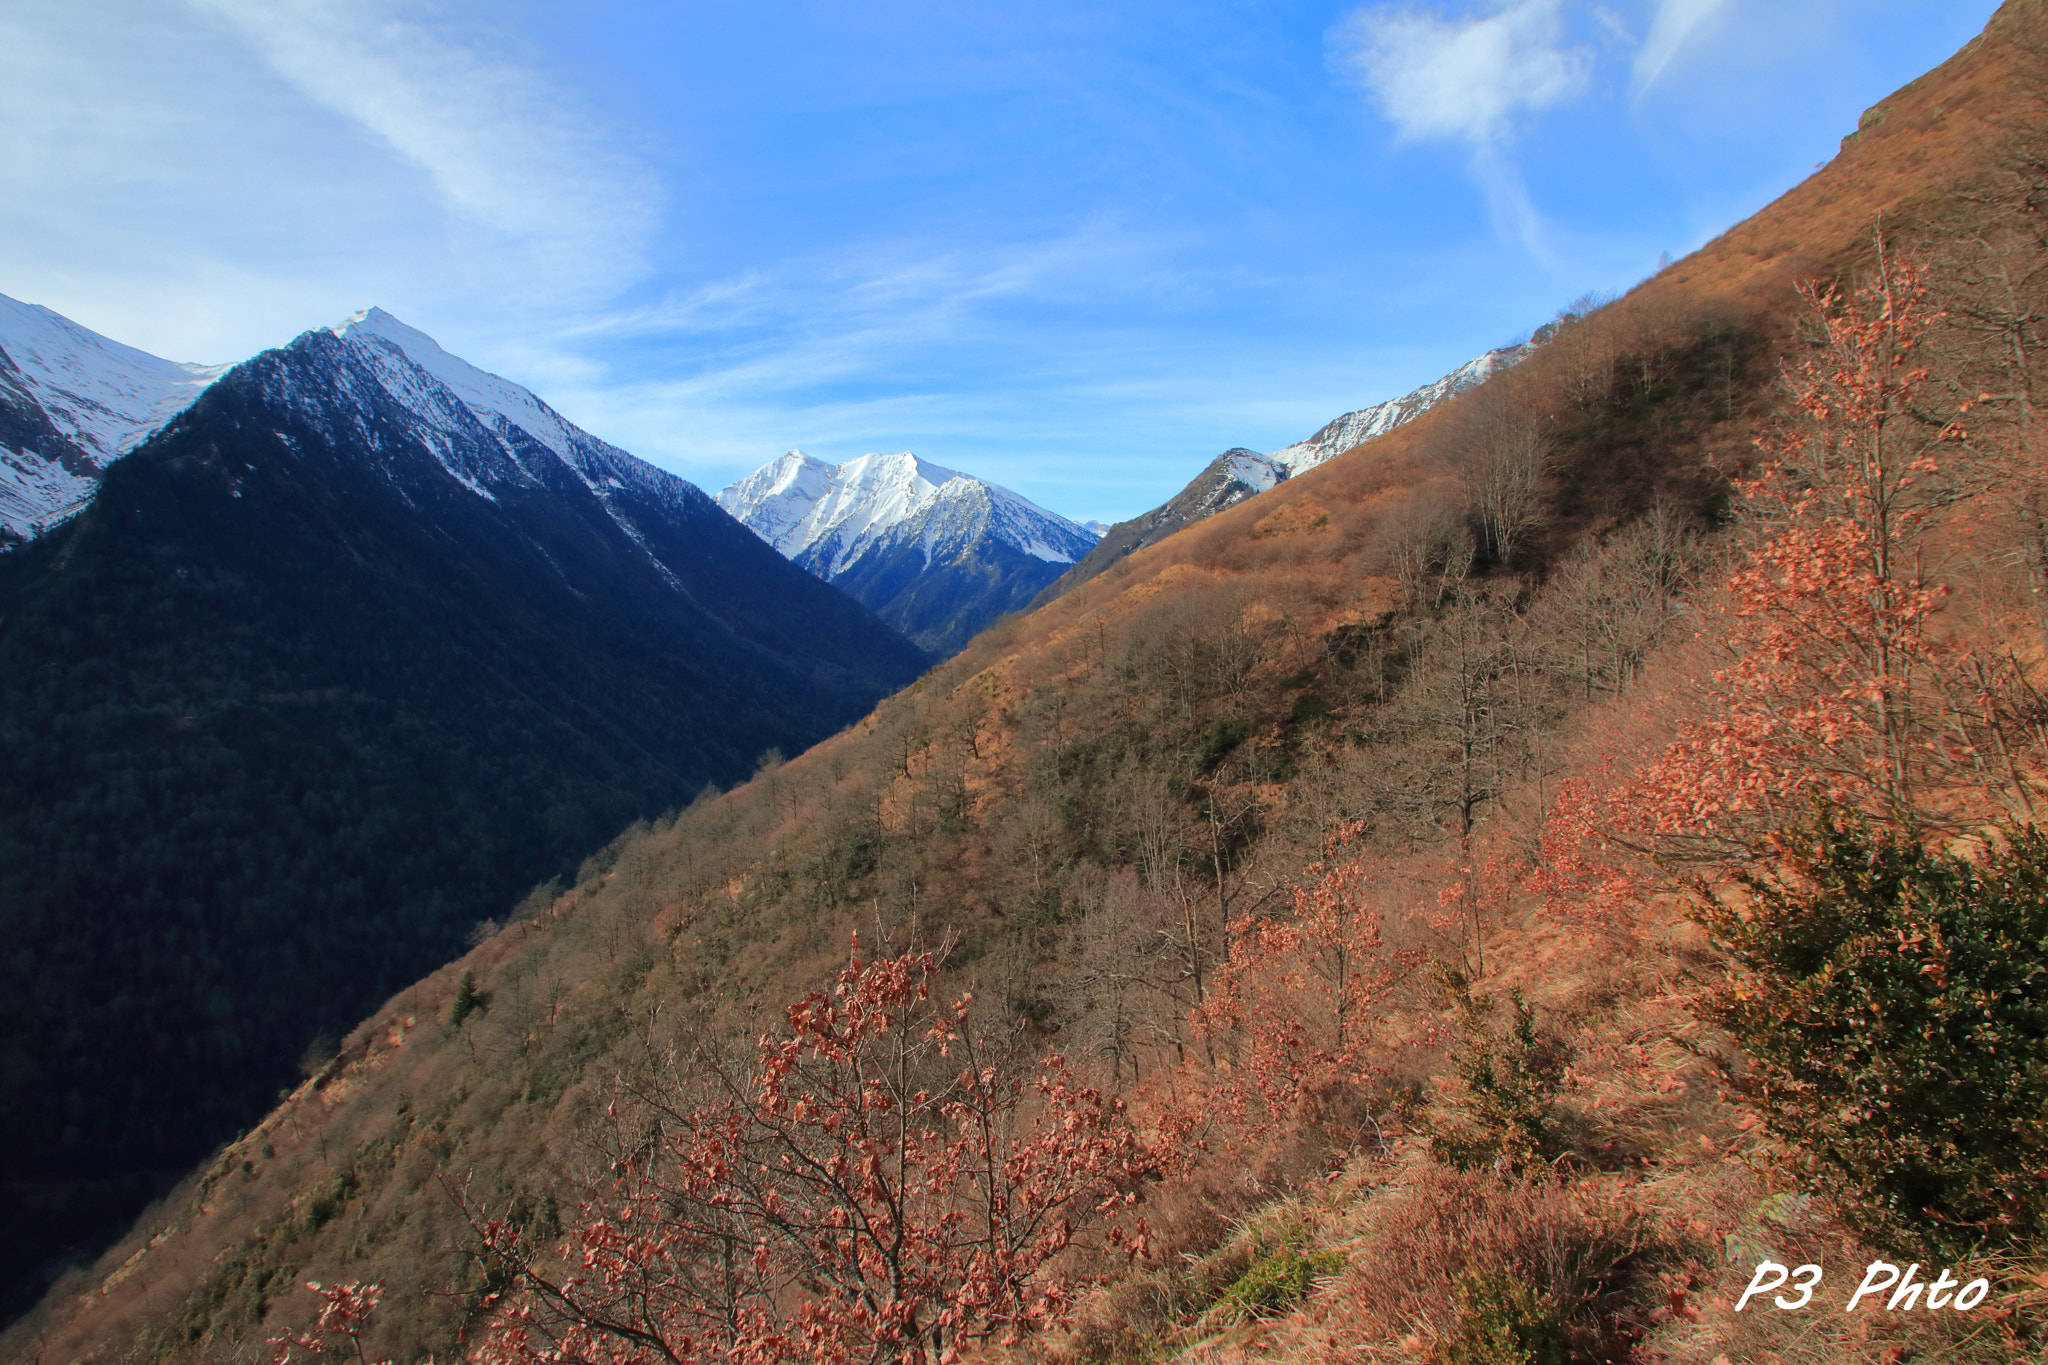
(1330, 835)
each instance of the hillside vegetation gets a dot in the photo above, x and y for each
(1443, 881)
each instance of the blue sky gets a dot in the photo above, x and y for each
(1075, 246)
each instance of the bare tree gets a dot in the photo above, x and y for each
(1507, 464)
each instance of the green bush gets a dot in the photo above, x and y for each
(1504, 1321)
(1894, 1002)
(1223, 737)
(1276, 1282)
(468, 1000)
(1511, 1086)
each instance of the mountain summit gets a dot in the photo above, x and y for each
(936, 553)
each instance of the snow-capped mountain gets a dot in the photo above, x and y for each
(1251, 472)
(71, 403)
(934, 552)
(528, 444)
(1239, 473)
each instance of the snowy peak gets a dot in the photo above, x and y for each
(870, 497)
(71, 403)
(827, 517)
(1238, 474)
(777, 500)
(524, 442)
(106, 397)
(485, 394)
(936, 553)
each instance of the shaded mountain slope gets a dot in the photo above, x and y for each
(328, 672)
(1095, 801)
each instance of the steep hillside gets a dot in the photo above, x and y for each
(340, 663)
(1257, 827)
(936, 554)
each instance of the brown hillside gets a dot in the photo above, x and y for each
(1097, 810)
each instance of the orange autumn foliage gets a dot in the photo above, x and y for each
(875, 1187)
(1839, 680)
(1296, 1005)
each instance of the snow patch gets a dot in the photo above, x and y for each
(36, 494)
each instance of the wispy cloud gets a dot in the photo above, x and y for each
(502, 151)
(1464, 79)
(206, 178)
(1468, 80)
(1675, 21)
(783, 350)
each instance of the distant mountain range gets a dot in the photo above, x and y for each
(940, 555)
(935, 553)
(1238, 474)
(306, 668)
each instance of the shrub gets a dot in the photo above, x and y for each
(1895, 1004)
(1511, 1085)
(1277, 1281)
(1503, 1320)
(468, 1000)
(1438, 1254)
(876, 1184)
(1223, 737)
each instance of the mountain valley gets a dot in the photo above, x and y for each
(338, 663)
(1474, 887)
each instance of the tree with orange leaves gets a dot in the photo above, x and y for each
(874, 1187)
(344, 1319)
(1839, 681)
(1295, 1003)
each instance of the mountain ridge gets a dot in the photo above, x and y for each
(1239, 473)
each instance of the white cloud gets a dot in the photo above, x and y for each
(501, 151)
(206, 179)
(1673, 24)
(1464, 79)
